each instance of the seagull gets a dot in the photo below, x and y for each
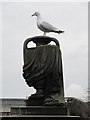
(45, 26)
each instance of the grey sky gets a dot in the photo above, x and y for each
(18, 25)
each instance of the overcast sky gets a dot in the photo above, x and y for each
(18, 25)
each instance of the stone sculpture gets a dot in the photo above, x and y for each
(43, 70)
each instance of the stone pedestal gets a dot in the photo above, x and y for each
(38, 110)
(35, 117)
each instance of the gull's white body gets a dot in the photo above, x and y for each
(44, 26)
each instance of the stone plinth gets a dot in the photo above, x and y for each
(38, 110)
(40, 117)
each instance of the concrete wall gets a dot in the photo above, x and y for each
(5, 105)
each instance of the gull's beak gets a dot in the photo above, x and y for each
(33, 15)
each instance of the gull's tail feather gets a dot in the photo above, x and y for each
(59, 31)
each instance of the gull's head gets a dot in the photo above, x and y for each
(36, 14)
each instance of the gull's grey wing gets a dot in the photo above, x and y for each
(47, 27)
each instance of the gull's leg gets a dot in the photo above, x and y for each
(44, 34)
